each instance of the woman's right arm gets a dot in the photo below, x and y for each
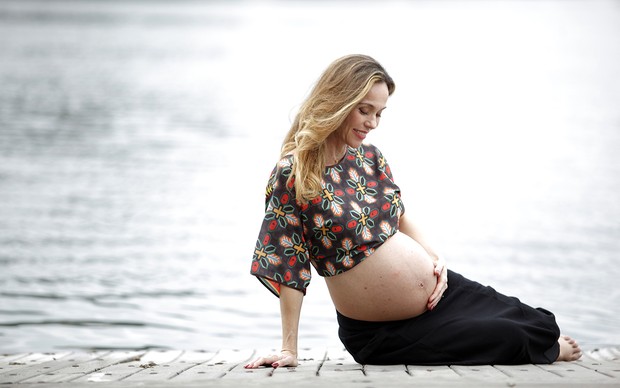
(290, 310)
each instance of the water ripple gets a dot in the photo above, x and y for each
(97, 297)
(95, 323)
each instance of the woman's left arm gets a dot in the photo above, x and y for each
(408, 227)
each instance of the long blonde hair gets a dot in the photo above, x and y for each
(344, 83)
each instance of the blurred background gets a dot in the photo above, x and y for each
(136, 138)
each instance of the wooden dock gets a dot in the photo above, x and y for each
(325, 367)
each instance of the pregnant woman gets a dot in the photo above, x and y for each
(331, 202)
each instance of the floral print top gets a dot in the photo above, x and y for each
(359, 208)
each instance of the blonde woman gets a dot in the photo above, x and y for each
(331, 202)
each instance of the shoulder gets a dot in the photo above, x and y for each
(283, 167)
(281, 174)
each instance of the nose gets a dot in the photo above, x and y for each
(371, 123)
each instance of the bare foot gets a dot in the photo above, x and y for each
(569, 349)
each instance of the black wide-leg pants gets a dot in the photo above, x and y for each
(471, 325)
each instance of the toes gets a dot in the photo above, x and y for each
(569, 349)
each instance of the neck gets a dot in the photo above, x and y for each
(334, 153)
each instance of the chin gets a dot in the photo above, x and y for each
(355, 143)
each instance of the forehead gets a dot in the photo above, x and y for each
(377, 96)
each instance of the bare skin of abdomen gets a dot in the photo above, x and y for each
(393, 283)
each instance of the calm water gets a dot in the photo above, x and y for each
(136, 138)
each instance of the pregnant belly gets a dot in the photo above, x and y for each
(393, 283)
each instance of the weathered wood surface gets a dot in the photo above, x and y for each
(327, 367)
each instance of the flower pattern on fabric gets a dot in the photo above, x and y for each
(332, 199)
(345, 254)
(363, 190)
(361, 221)
(334, 173)
(323, 231)
(364, 160)
(357, 210)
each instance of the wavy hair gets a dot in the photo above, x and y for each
(344, 83)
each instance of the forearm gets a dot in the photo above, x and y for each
(290, 310)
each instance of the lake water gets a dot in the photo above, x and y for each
(136, 138)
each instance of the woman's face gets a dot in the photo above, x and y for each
(365, 116)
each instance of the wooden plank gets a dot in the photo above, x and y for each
(310, 362)
(12, 365)
(480, 372)
(239, 371)
(124, 370)
(384, 371)
(605, 361)
(81, 364)
(191, 359)
(386, 375)
(432, 372)
(45, 368)
(217, 367)
(528, 373)
(7, 358)
(604, 354)
(607, 368)
(337, 361)
(603, 368)
(575, 371)
(168, 369)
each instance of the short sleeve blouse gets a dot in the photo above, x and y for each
(358, 209)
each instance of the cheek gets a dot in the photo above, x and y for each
(350, 124)
(341, 133)
(359, 119)
(346, 128)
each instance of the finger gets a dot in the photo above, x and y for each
(254, 364)
(443, 271)
(261, 361)
(442, 280)
(433, 304)
(434, 299)
(442, 285)
(436, 296)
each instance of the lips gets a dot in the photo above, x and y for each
(360, 134)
